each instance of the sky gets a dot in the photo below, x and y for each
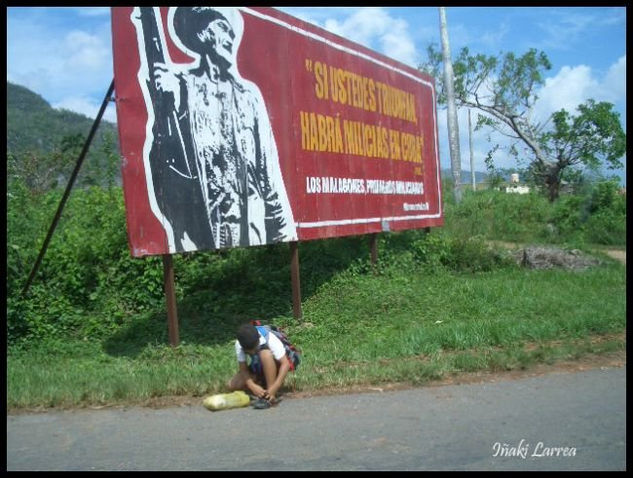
(64, 54)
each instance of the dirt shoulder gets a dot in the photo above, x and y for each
(615, 253)
(614, 359)
(589, 362)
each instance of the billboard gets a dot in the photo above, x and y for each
(246, 126)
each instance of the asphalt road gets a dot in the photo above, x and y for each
(505, 425)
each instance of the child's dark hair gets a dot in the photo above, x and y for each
(247, 336)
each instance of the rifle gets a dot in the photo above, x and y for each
(167, 126)
(172, 160)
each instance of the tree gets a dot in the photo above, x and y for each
(39, 172)
(591, 138)
(42, 171)
(504, 88)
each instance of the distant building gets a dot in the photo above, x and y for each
(514, 186)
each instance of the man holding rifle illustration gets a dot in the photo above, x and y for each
(224, 131)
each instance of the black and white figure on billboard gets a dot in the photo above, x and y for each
(212, 155)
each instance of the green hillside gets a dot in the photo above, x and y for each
(34, 125)
(465, 176)
(43, 143)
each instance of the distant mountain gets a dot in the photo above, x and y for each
(34, 129)
(33, 125)
(465, 176)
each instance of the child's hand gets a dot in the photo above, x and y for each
(259, 392)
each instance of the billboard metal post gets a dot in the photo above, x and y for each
(170, 297)
(296, 280)
(373, 245)
(69, 187)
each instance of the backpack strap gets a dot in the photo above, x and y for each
(292, 354)
(263, 330)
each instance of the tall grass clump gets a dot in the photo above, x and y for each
(596, 215)
(495, 214)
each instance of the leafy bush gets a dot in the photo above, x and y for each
(458, 253)
(596, 215)
(440, 250)
(607, 221)
(606, 228)
(605, 197)
(88, 285)
(567, 218)
(498, 215)
(87, 270)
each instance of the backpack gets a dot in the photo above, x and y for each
(293, 354)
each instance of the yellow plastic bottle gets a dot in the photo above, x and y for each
(223, 401)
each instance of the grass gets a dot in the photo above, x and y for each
(93, 330)
(409, 323)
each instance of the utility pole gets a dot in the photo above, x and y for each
(472, 157)
(453, 127)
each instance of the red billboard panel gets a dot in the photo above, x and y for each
(246, 126)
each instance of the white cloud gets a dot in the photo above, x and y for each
(59, 65)
(374, 28)
(400, 48)
(494, 39)
(569, 88)
(614, 82)
(316, 15)
(574, 85)
(86, 106)
(310, 15)
(565, 27)
(85, 51)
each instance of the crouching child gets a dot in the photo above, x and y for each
(271, 356)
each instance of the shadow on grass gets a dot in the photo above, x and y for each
(218, 291)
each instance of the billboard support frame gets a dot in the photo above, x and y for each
(373, 246)
(378, 137)
(69, 186)
(296, 280)
(170, 298)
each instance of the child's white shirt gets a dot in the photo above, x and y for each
(274, 344)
